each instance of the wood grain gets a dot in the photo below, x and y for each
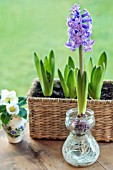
(45, 155)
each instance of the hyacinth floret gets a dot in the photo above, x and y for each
(79, 29)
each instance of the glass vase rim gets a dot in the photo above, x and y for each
(91, 112)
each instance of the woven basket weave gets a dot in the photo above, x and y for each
(47, 116)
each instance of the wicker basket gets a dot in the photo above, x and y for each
(47, 116)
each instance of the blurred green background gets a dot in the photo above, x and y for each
(27, 26)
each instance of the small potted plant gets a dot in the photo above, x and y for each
(12, 115)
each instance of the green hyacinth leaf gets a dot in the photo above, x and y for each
(97, 75)
(79, 92)
(45, 86)
(71, 62)
(82, 91)
(51, 56)
(52, 62)
(92, 73)
(90, 68)
(66, 72)
(95, 85)
(91, 91)
(63, 84)
(71, 84)
(37, 64)
(98, 81)
(52, 67)
(103, 60)
(76, 72)
(47, 65)
(48, 72)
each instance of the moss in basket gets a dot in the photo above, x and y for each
(46, 71)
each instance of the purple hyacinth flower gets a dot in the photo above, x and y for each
(79, 24)
(88, 45)
(75, 8)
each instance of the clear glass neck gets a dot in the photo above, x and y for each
(79, 124)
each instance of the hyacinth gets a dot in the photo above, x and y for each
(79, 29)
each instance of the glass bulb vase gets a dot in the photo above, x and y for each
(80, 148)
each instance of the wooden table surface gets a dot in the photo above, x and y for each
(45, 155)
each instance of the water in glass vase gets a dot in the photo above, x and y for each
(80, 147)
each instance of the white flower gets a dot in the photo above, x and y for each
(8, 96)
(12, 109)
